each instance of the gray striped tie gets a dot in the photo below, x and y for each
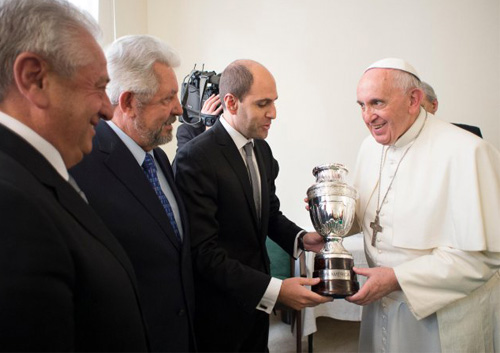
(252, 172)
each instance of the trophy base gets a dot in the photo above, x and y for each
(338, 280)
(337, 289)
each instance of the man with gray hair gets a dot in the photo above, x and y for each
(428, 207)
(66, 284)
(129, 181)
(430, 103)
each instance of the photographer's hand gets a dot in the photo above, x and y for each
(212, 105)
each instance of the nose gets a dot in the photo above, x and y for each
(106, 111)
(177, 110)
(368, 114)
(271, 113)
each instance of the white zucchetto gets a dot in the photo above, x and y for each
(394, 63)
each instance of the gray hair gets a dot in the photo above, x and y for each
(130, 66)
(430, 95)
(47, 28)
(405, 81)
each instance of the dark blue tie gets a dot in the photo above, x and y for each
(149, 168)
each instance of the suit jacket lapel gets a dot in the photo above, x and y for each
(124, 166)
(65, 194)
(264, 187)
(89, 220)
(166, 167)
(236, 162)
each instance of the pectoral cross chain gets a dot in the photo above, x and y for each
(375, 225)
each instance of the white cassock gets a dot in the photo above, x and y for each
(441, 234)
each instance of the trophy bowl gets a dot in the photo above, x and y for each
(332, 205)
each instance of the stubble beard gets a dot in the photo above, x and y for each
(154, 138)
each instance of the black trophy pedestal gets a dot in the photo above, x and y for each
(338, 280)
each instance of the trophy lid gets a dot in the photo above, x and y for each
(330, 172)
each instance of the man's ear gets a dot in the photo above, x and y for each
(435, 105)
(31, 78)
(416, 97)
(231, 103)
(127, 103)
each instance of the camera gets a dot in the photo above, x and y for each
(196, 88)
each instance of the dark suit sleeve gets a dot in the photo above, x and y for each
(186, 133)
(474, 129)
(205, 191)
(36, 271)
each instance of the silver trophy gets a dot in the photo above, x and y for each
(332, 206)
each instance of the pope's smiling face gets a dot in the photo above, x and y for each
(386, 109)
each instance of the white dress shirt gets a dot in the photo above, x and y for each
(38, 142)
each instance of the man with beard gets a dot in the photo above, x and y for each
(129, 181)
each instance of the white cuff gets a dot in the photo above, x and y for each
(296, 250)
(270, 296)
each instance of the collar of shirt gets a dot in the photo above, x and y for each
(412, 132)
(38, 142)
(136, 150)
(238, 139)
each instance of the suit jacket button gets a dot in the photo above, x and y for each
(181, 312)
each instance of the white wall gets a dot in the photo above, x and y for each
(317, 51)
(121, 17)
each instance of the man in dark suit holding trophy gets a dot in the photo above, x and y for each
(227, 179)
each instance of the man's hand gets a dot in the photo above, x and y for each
(212, 105)
(295, 295)
(306, 200)
(381, 281)
(313, 242)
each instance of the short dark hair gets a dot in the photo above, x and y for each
(236, 79)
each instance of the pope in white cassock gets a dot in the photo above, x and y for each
(429, 209)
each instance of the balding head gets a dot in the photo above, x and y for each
(237, 79)
(248, 92)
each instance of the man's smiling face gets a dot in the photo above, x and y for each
(384, 106)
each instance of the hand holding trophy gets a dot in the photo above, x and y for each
(332, 206)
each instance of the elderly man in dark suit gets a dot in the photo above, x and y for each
(227, 178)
(66, 284)
(129, 181)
